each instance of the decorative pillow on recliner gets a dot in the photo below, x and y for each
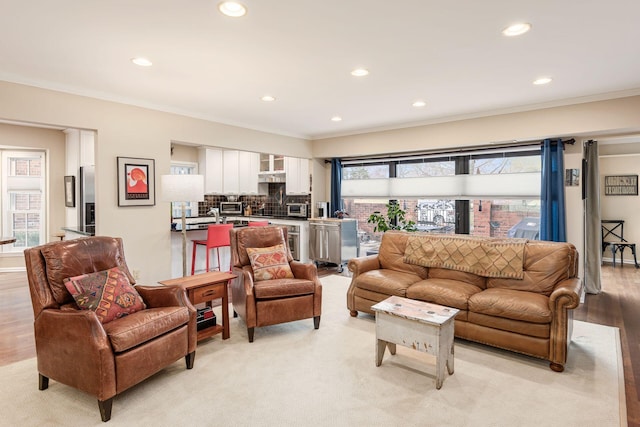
(108, 293)
(269, 263)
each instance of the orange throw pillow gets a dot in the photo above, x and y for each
(269, 263)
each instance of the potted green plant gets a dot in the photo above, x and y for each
(394, 220)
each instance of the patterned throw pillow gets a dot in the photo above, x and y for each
(108, 293)
(269, 263)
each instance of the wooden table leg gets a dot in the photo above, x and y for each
(225, 312)
(380, 346)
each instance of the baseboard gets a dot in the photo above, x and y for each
(12, 269)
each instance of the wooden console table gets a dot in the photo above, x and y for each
(204, 288)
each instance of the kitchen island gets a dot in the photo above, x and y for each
(75, 232)
(196, 229)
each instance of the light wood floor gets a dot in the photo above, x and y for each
(618, 305)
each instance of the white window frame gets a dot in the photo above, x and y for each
(23, 185)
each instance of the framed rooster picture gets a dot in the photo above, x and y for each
(136, 182)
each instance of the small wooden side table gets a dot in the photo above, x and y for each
(423, 326)
(204, 288)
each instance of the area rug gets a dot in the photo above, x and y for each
(293, 375)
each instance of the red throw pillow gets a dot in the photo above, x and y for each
(108, 293)
(269, 263)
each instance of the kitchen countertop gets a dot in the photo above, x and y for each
(87, 230)
(202, 222)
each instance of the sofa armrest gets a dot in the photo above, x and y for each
(363, 264)
(566, 295)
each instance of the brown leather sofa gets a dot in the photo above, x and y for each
(74, 348)
(269, 302)
(531, 315)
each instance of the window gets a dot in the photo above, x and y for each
(191, 208)
(23, 214)
(446, 193)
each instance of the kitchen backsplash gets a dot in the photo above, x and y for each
(274, 204)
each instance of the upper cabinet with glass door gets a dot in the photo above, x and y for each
(271, 163)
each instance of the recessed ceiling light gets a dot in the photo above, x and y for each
(232, 8)
(336, 119)
(268, 98)
(143, 62)
(516, 29)
(360, 72)
(419, 104)
(542, 81)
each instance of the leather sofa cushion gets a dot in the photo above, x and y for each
(512, 304)
(281, 288)
(539, 330)
(81, 256)
(142, 326)
(545, 265)
(388, 282)
(447, 292)
(462, 276)
(391, 255)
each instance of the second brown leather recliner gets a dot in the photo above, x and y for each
(273, 300)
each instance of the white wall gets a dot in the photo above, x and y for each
(123, 130)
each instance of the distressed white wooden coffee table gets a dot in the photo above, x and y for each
(419, 325)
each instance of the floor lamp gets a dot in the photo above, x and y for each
(183, 189)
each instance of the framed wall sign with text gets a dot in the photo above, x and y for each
(621, 185)
(136, 182)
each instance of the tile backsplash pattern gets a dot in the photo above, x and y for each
(273, 204)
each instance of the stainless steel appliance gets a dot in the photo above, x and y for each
(87, 211)
(293, 234)
(297, 209)
(322, 209)
(333, 241)
(230, 208)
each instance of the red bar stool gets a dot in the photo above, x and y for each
(258, 223)
(217, 237)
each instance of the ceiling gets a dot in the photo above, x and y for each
(450, 54)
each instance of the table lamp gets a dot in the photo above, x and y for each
(182, 188)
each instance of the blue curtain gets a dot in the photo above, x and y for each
(552, 216)
(336, 183)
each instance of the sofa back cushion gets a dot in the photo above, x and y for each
(391, 254)
(461, 276)
(545, 265)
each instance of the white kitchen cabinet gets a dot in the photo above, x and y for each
(248, 168)
(210, 164)
(297, 176)
(231, 177)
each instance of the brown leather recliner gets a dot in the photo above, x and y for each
(269, 302)
(74, 348)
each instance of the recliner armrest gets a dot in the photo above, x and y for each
(302, 270)
(164, 296)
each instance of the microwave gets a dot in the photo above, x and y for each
(297, 209)
(230, 208)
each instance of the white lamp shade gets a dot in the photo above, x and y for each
(182, 188)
